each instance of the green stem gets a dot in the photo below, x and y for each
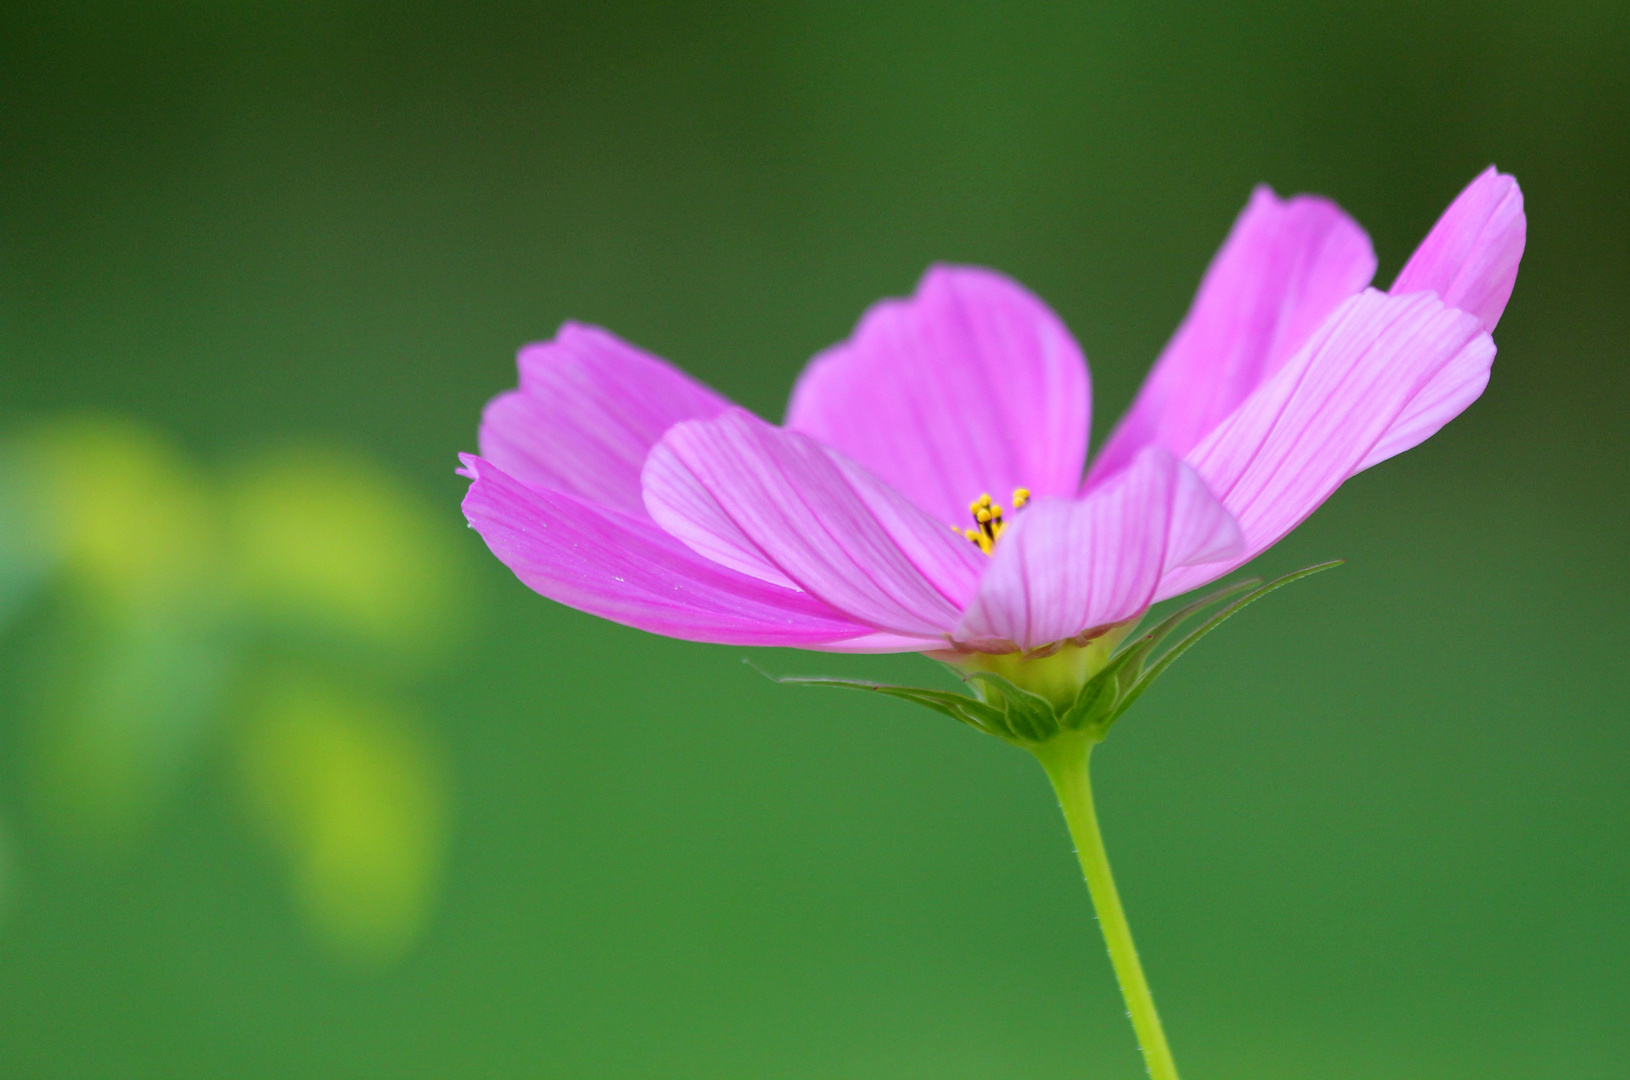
(1066, 759)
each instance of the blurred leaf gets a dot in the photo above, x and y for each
(120, 708)
(128, 674)
(132, 665)
(328, 540)
(356, 796)
(119, 506)
(26, 548)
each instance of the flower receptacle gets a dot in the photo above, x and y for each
(1072, 695)
(1056, 677)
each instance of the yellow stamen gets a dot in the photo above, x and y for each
(987, 515)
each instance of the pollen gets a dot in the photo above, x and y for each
(988, 522)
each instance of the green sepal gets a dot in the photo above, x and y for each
(969, 710)
(1108, 694)
(1187, 642)
(1103, 693)
(1030, 717)
(1008, 711)
(1105, 696)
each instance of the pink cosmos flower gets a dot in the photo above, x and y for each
(872, 519)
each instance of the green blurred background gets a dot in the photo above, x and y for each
(296, 780)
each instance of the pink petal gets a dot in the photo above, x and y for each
(1448, 394)
(1320, 419)
(1470, 257)
(589, 408)
(1065, 566)
(1284, 267)
(972, 386)
(881, 642)
(779, 506)
(623, 568)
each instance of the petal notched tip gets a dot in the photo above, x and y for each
(588, 409)
(1285, 266)
(1471, 256)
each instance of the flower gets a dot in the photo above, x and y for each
(613, 482)
(873, 519)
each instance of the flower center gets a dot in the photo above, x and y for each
(988, 522)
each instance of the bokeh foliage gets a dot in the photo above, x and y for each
(1376, 828)
(170, 614)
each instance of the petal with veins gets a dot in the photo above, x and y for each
(782, 507)
(1470, 257)
(589, 408)
(623, 568)
(1069, 565)
(971, 386)
(1318, 421)
(1286, 265)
